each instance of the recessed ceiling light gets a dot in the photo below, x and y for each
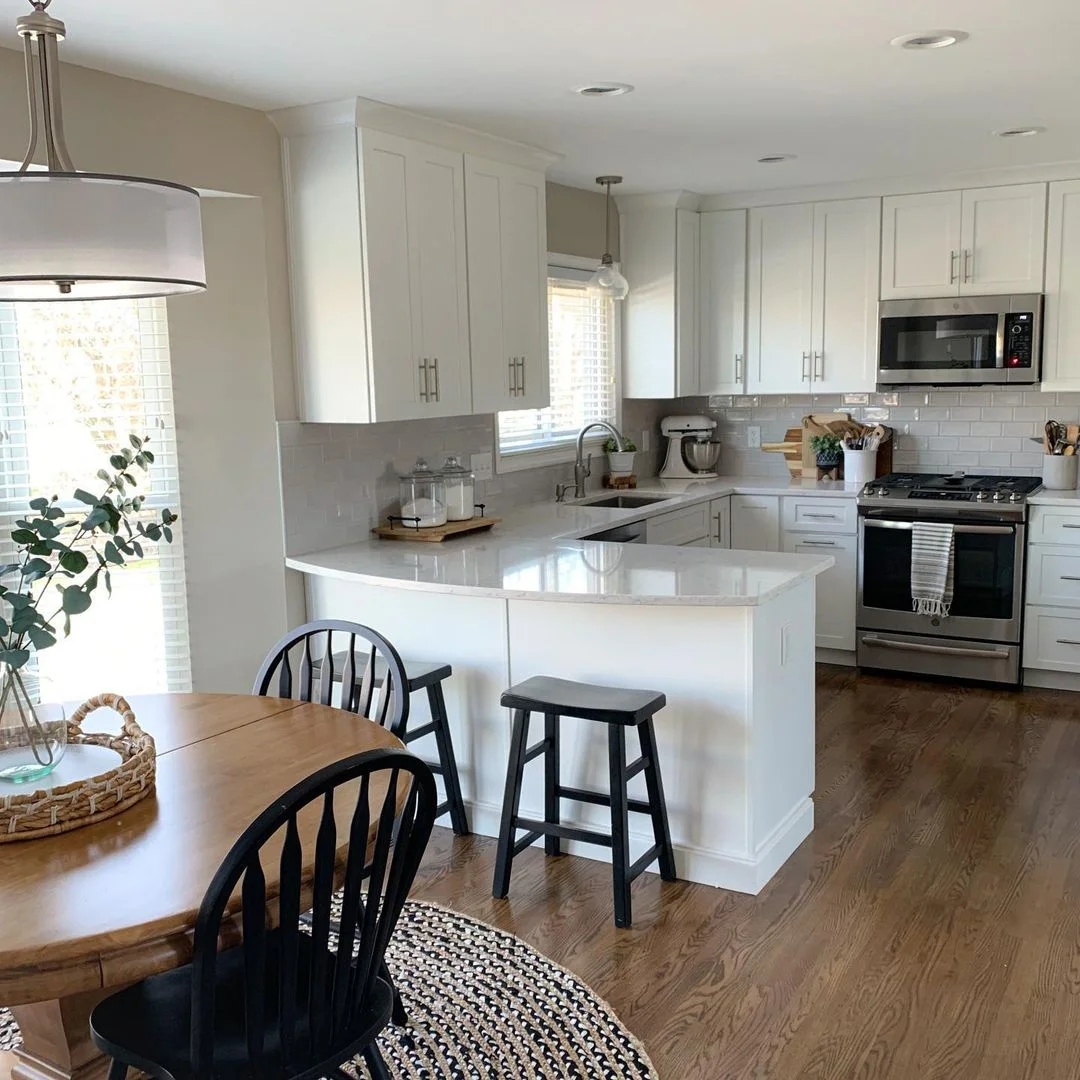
(1019, 132)
(603, 89)
(930, 39)
(775, 159)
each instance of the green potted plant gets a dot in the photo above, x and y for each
(827, 450)
(61, 558)
(620, 462)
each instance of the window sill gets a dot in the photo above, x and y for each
(560, 454)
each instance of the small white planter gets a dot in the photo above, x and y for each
(621, 463)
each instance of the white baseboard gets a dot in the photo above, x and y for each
(840, 657)
(1051, 680)
(724, 870)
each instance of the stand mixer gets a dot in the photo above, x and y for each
(692, 452)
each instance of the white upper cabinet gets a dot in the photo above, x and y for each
(1061, 321)
(660, 253)
(723, 302)
(964, 243)
(844, 323)
(780, 294)
(507, 256)
(812, 297)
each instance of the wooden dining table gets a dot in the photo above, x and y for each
(89, 911)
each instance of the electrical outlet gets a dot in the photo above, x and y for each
(646, 441)
(753, 437)
(481, 465)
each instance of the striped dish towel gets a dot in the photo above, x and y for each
(931, 568)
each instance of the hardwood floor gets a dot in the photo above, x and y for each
(928, 929)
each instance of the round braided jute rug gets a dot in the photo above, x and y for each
(484, 1005)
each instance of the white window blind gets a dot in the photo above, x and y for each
(75, 380)
(583, 360)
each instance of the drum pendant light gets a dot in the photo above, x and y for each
(67, 235)
(607, 280)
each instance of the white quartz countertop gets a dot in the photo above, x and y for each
(1055, 498)
(541, 553)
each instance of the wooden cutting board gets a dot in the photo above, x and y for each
(809, 460)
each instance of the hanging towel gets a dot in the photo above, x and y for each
(931, 568)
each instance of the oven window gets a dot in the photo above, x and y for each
(983, 569)
(938, 342)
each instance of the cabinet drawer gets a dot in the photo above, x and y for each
(1052, 639)
(1055, 525)
(755, 522)
(679, 527)
(836, 588)
(813, 514)
(1053, 576)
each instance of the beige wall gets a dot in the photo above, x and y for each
(575, 221)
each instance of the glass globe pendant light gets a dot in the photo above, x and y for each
(69, 235)
(607, 280)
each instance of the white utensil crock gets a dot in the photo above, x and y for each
(860, 466)
(1059, 472)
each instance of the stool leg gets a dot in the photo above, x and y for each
(620, 824)
(655, 787)
(552, 772)
(437, 703)
(511, 799)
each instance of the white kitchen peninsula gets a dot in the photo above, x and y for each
(728, 636)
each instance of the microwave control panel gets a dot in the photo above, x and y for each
(1019, 339)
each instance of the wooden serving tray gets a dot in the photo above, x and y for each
(436, 534)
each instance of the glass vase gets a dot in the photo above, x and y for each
(33, 730)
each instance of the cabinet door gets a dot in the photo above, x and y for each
(920, 246)
(847, 262)
(720, 523)
(687, 325)
(1061, 324)
(835, 588)
(723, 302)
(780, 286)
(755, 522)
(436, 218)
(507, 260)
(397, 380)
(1003, 239)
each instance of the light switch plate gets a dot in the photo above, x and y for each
(753, 437)
(646, 441)
(481, 465)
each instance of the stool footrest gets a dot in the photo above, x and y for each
(640, 765)
(644, 861)
(536, 750)
(419, 733)
(564, 832)
(526, 840)
(597, 798)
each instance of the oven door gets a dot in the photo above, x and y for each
(988, 562)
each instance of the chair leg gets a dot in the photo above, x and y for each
(655, 787)
(117, 1070)
(515, 769)
(376, 1066)
(620, 824)
(437, 702)
(400, 1016)
(552, 772)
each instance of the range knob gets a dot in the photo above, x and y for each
(1016, 497)
(1000, 495)
(980, 496)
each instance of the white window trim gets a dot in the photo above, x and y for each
(565, 451)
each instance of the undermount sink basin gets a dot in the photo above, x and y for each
(625, 502)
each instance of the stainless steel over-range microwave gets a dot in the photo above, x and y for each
(964, 340)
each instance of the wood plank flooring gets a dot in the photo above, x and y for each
(929, 929)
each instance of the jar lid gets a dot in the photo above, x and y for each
(453, 467)
(421, 471)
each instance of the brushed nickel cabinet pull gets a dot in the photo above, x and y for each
(969, 264)
(738, 367)
(521, 364)
(819, 356)
(806, 366)
(1067, 641)
(1069, 577)
(954, 260)
(512, 364)
(425, 392)
(435, 369)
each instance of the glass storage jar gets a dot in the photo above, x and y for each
(460, 490)
(423, 497)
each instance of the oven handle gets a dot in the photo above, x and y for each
(985, 530)
(940, 650)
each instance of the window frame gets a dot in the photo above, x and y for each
(563, 451)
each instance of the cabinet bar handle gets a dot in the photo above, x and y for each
(1069, 577)
(738, 367)
(954, 259)
(425, 393)
(819, 356)
(969, 264)
(822, 517)
(435, 369)
(512, 365)
(1067, 641)
(818, 543)
(521, 364)
(806, 367)
(1067, 525)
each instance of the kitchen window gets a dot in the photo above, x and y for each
(75, 380)
(585, 364)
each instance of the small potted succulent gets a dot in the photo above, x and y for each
(828, 450)
(620, 462)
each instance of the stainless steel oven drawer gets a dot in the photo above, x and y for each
(953, 657)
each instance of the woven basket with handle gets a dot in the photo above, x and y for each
(46, 813)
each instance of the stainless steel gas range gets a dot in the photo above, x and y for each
(980, 637)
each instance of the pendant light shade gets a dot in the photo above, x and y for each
(68, 235)
(607, 280)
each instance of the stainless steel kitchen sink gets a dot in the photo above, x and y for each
(625, 502)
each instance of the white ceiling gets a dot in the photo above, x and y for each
(719, 82)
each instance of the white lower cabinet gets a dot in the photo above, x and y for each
(720, 523)
(1052, 639)
(680, 528)
(835, 588)
(1052, 614)
(755, 522)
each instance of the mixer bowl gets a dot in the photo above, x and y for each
(702, 455)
